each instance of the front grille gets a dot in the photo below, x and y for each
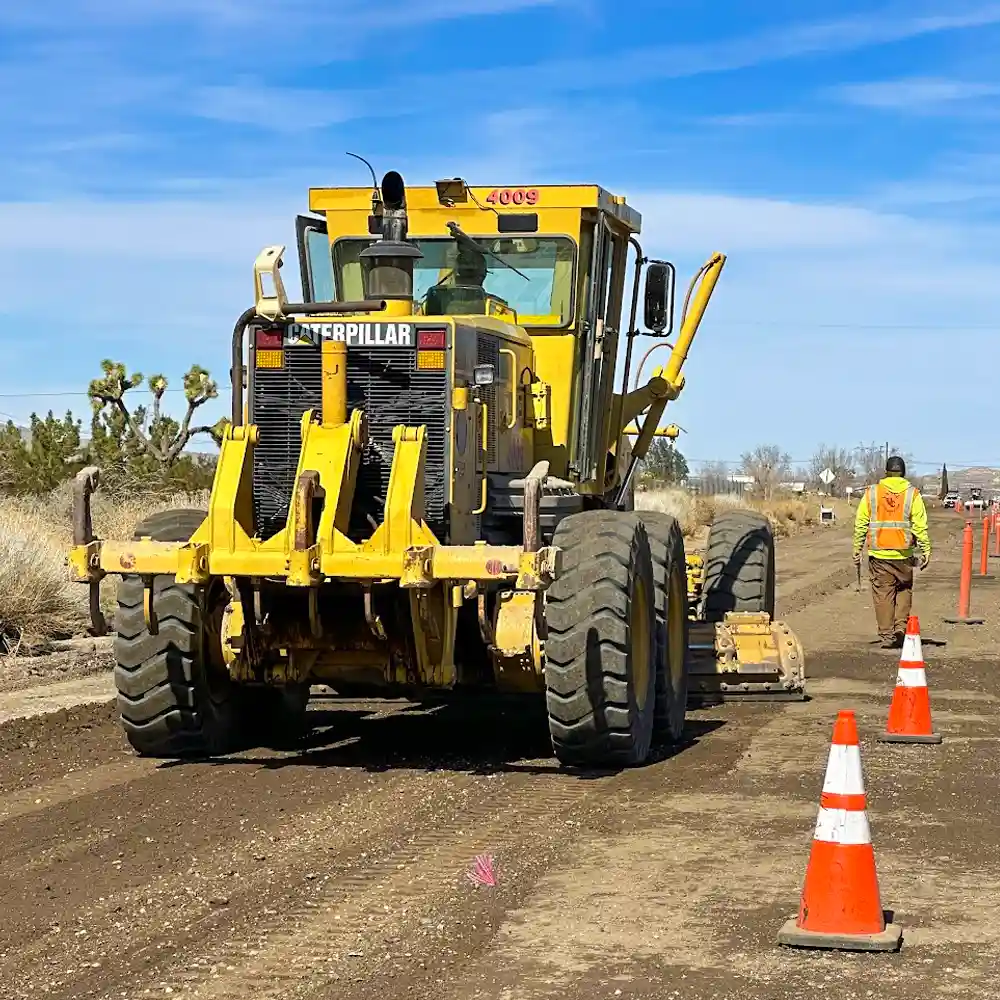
(488, 353)
(387, 385)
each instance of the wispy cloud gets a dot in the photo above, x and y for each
(277, 109)
(562, 77)
(251, 15)
(916, 94)
(161, 89)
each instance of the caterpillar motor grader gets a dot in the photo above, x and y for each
(422, 488)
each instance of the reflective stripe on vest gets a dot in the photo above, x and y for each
(886, 529)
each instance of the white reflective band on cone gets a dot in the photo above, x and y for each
(912, 651)
(843, 826)
(843, 771)
(911, 677)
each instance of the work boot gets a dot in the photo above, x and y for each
(897, 642)
(888, 642)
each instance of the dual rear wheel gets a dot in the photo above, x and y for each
(617, 638)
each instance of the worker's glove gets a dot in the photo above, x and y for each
(857, 558)
(923, 560)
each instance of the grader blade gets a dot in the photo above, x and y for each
(745, 657)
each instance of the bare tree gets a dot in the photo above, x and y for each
(869, 460)
(769, 466)
(715, 478)
(839, 461)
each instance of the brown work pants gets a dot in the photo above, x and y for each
(892, 594)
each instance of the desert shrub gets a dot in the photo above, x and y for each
(37, 599)
(695, 511)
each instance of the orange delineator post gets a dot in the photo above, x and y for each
(984, 559)
(841, 906)
(996, 535)
(965, 582)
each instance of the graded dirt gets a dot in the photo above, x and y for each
(338, 868)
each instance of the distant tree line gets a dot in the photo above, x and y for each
(771, 468)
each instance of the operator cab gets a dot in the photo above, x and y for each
(551, 260)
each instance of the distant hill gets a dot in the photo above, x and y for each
(981, 476)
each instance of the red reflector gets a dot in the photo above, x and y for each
(430, 340)
(269, 340)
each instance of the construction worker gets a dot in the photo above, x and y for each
(890, 515)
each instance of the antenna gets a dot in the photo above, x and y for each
(370, 167)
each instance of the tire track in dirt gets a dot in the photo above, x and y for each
(409, 913)
(93, 781)
(406, 894)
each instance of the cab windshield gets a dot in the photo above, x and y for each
(533, 275)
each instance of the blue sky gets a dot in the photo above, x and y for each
(845, 156)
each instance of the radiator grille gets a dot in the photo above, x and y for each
(488, 353)
(386, 384)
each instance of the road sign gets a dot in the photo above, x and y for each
(827, 476)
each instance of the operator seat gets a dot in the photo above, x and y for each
(455, 300)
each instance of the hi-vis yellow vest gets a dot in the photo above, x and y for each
(889, 513)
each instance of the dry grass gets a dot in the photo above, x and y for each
(37, 599)
(38, 602)
(116, 514)
(786, 514)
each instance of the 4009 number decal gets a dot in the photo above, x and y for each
(513, 196)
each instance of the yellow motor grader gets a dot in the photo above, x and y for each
(421, 490)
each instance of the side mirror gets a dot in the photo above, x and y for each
(661, 276)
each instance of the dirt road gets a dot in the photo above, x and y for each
(339, 870)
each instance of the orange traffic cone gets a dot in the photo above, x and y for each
(840, 906)
(910, 712)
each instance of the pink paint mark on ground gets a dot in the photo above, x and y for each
(483, 871)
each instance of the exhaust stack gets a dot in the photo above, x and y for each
(388, 263)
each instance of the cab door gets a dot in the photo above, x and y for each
(596, 350)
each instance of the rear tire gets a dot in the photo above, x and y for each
(666, 543)
(600, 684)
(174, 693)
(739, 566)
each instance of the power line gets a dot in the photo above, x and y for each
(989, 327)
(808, 461)
(693, 461)
(37, 395)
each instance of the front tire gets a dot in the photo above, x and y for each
(174, 693)
(601, 644)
